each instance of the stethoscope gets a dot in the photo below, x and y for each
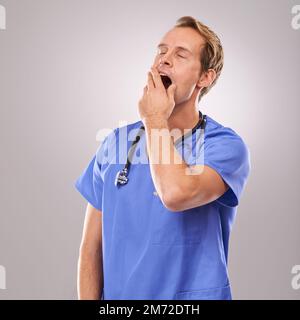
(122, 175)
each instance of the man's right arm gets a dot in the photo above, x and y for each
(90, 263)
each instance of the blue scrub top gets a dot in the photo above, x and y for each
(150, 252)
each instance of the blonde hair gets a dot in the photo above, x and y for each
(211, 56)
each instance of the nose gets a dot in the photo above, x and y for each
(165, 60)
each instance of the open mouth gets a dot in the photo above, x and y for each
(166, 81)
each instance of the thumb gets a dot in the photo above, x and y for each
(171, 91)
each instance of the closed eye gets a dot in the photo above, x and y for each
(161, 53)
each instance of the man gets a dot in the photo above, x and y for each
(161, 230)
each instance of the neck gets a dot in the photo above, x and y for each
(185, 116)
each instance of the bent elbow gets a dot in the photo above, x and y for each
(173, 200)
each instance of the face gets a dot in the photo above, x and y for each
(178, 56)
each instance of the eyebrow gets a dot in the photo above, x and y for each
(179, 47)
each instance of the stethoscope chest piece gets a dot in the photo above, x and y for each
(121, 177)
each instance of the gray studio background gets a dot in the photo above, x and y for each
(69, 68)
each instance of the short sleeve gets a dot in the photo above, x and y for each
(230, 157)
(90, 182)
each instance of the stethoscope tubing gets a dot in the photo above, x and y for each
(122, 175)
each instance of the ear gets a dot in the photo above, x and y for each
(207, 78)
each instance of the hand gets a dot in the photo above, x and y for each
(156, 102)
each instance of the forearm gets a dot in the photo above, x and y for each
(168, 169)
(90, 275)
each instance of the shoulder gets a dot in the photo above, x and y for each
(217, 133)
(108, 136)
(225, 141)
(128, 129)
(109, 140)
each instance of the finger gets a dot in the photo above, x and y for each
(171, 91)
(145, 90)
(150, 81)
(156, 78)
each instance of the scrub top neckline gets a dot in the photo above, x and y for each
(192, 131)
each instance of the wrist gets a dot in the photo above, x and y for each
(156, 122)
